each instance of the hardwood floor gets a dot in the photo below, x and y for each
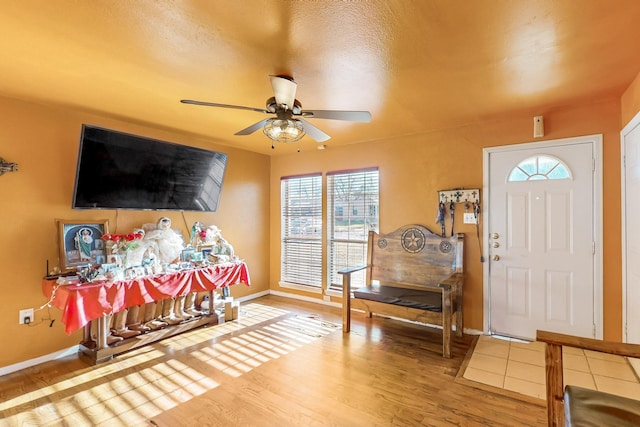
(284, 363)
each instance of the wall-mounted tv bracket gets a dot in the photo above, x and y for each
(7, 166)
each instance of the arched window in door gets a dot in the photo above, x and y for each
(539, 167)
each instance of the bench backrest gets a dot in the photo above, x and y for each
(412, 256)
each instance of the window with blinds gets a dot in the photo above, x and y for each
(352, 210)
(301, 216)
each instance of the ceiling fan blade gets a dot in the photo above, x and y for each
(214, 104)
(251, 129)
(284, 90)
(351, 116)
(314, 132)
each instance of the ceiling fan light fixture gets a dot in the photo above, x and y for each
(284, 130)
(284, 127)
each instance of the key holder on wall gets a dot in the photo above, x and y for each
(460, 196)
(447, 199)
(7, 166)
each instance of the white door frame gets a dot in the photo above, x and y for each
(623, 197)
(596, 140)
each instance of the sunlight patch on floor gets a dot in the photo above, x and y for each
(162, 383)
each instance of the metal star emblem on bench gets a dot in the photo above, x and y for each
(413, 240)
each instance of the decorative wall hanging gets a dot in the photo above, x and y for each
(460, 196)
(7, 166)
(470, 199)
(447, 199)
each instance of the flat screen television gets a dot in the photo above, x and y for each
(117, 170)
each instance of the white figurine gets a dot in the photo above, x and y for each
(136, 253)
(224, 251)
(202, 235)
(211, 236)
(168, 240)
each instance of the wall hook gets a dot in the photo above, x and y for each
(7, 166)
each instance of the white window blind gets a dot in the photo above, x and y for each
(352, 210)
(301, 216)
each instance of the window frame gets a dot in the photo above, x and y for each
(354, 245)
(301, 228)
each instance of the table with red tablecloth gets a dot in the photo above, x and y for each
(80, 304)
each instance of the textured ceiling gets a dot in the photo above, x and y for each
(416, 65)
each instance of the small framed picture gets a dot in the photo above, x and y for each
(187, 255)
(81, 243)
(205, 247)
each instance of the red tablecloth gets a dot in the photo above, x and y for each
(82, 303)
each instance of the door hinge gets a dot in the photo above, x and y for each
(593, 248)
(593, 333)
(593, 164)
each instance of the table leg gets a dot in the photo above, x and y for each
(86, 334)
(211, 303)
(103, 331)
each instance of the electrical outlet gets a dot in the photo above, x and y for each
(26, 316)
(469, 218)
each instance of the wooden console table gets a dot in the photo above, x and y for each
(83, 304)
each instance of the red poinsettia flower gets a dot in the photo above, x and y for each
(106, 237)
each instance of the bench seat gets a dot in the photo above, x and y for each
(576, 406)
(411, 274)
(412, 298)
(589, 407)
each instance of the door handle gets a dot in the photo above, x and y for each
(496, 257)
(494, 236)
(495, 244)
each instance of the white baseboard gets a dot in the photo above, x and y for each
(33, 362)
(303, 298)
(252, 296)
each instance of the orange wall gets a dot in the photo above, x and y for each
(44, 143)
(630, 102)
(413, 169)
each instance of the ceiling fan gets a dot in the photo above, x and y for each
(288, 124)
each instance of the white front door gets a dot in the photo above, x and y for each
(631, 226)
(541, 239)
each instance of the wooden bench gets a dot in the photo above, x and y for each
(411, 274)
(572, 405)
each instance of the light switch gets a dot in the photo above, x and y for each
(469, 218)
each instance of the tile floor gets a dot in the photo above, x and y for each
(519, 366)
